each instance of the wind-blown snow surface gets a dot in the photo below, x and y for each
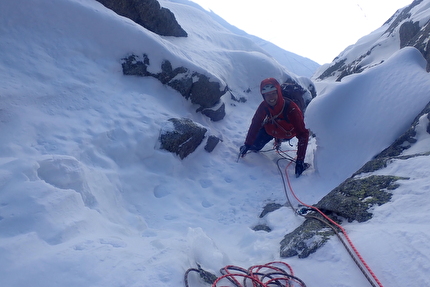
(87, 198)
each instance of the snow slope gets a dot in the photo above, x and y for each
(296, 64)
(378, 46)
(87, 198)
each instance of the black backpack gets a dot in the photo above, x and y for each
(295, 92)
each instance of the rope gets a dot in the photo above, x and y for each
(269, 275)
(275, 273)
(332, 224)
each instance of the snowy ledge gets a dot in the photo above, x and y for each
(354, 199)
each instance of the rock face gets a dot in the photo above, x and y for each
(411, 29)
(411, 33)
(352, 200)
(211, 143)
(306, 239)
(149, 14)
(196, 87)
(181, 136)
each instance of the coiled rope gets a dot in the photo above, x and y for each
(275, 273)
(352, 250)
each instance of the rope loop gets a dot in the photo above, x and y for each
(270, 274)
(276, 273)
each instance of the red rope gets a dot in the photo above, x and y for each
(336, 224)
(260, 275)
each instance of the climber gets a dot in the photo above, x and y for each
(279, 118)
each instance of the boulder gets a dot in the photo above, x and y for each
(149, 14)
(211, 143)
(181, 136)
(196, 87)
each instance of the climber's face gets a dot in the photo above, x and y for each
(271, 98)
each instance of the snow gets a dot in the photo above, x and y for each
(360, 117)
(87, 198)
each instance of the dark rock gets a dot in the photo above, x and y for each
(270, 207)
(168, 73)
(196, 87)
(214, 114)
(207, 276)
(336, 66)
(211, 143)
(204, 92)
(351, 200)
(262, 227)
(398, 18)
(184, 138)
(407, 32)
(182, 85)
(428, 125)
(149, 14)
(312, 89)
(354, 197)
(421, 42)
(133, 65)
(306, 239)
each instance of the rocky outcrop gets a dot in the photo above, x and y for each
(196, 87)
(211, 143)
(181, 136)
(400, 16)
(306, 239)
(414, 35)
(350, 201)
(149, 14)
(411, 33)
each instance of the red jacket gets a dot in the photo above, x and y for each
(274, 122)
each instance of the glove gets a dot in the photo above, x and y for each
(300, 167)
(243, 150)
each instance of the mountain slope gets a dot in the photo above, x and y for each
(296, 64)
(87, 198)
(409, 26)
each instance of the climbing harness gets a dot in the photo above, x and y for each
(306, 211)
(275, 273)
(274, 119)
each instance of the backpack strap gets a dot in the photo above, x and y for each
(283, 112)
(287, 102)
